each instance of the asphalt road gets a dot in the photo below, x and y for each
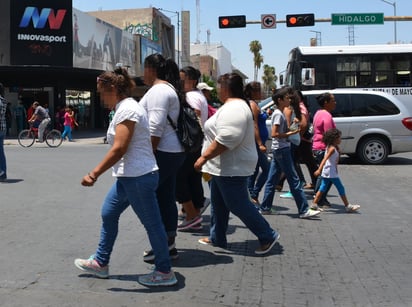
(47, 219)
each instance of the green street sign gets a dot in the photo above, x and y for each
(358, 19)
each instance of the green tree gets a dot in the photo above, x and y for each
(255, 47)
(213, 94)
(269, 79)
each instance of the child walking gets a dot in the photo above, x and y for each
(328, 170)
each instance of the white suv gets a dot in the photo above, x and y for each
(373, 124)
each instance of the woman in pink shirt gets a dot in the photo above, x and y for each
(322, 122)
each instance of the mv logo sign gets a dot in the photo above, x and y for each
(39, 20)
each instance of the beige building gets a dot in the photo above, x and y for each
(149, 23)
(211, 59)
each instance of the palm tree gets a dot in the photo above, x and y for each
(269, 78)
(255, 47)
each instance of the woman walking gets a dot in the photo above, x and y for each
(133, 164)
(229, 155)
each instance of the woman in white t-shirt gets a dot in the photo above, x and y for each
(133, 164)
(189, 187)
(229, 155)
(161, 100)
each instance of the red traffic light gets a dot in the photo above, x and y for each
(224, 22)
(238, 21)
(300, 20)
(292, 20)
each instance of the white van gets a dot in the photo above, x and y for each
(373, 124)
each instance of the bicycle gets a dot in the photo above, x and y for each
(52, 137)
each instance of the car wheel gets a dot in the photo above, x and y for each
(373, 150)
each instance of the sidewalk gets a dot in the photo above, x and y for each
(80, 137)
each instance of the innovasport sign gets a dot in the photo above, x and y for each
(357, 19)
(41, 32)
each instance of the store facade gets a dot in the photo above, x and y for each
(52, 53)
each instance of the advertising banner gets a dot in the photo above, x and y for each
(41, 32)
(100, 45)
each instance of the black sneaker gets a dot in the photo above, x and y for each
(148, 256)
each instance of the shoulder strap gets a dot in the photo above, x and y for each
(168, 117)
(171, 122)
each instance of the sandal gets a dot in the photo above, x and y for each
(205, 241)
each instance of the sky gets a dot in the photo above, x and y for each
(276, 43)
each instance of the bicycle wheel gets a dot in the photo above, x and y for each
(26, 138)
(54, 138)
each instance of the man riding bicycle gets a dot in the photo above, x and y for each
(41, 116)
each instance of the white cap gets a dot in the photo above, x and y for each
(203, 86)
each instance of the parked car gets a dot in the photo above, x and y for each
(373, 124)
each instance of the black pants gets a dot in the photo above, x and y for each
(189, 182)
(303, 154)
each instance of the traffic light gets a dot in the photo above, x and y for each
(300, 20)
(238, 21)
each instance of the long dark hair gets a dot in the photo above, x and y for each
(1, 90)
(279, 94)
(192, 73)
(294, 102)
(166, 69)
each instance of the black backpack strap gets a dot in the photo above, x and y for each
(171, 122)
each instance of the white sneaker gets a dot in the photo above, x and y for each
(316, 207)
(310, 213)
(352, 208)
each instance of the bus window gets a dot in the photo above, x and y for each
(403, 78)
(402, 66)
(383, 74)
(308, 76)
(346, 68)
(365, 72)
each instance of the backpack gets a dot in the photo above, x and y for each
(188, 128)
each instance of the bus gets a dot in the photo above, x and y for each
(385, 68)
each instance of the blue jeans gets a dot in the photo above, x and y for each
(169, 164)
(67, 131)
(140, 193)
(282, 162)
(3, 166)
(230, 194)
(257, 181)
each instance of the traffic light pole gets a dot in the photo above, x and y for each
(387, 18)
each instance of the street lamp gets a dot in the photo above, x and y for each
(178, 32)
(394, 14)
